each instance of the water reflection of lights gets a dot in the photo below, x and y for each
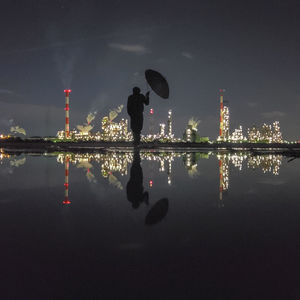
(267, 163)
(111, 162)
(117, 162)
(3, 155)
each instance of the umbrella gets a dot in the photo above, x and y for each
(158, 83)
(157, 212)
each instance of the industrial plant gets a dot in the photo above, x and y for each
(110, 130)
(117, 131)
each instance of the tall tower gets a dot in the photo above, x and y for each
(224, 119)
(169, 123)
(225, 123)
(221, 112)
(67, 108)
(151, 121)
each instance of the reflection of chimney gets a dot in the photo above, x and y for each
(67, 125)
(221, 180)
(221, 113)
(66, 201)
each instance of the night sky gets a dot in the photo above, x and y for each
(100, 49)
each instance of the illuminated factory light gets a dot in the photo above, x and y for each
(237, 135)
(162, 130)
(224, 119)
(169, 134)
(188, 133)
(265, 133)
(224, 124)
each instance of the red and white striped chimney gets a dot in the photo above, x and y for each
(67, 108)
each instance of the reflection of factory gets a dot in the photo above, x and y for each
(117, 162)
(3, 155)
(268, 163)
(223, 177)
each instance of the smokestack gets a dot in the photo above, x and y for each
(170, 123)
(67, 125)
(66, 201)
(221, 112)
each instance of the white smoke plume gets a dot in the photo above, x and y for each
(193, 172)
(90, 117)
(114, 113)
(194, 123)
(64, 56)
(87, 166)
(90, 176)
(84, 165)
(113, 180)
(17, 129)
(84, 128)
(18, 162)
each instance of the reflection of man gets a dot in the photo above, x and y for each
(135, 188)
(135, 109)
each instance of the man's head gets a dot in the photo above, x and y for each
(136, 90)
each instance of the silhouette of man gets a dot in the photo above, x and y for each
(135, 109)
(135, 189)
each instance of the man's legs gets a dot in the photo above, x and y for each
(136, 127)
(136, 137)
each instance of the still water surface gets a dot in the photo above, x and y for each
(149, 225)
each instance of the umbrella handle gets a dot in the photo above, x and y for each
(147, 87)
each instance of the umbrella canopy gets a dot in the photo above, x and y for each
(158, 83)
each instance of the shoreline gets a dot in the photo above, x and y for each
(40, 146)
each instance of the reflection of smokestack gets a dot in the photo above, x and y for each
(67, 125)
(221, 180)
(221, 113)
(66, 201)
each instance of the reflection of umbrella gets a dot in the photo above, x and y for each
(158, 83)
(157, 212)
